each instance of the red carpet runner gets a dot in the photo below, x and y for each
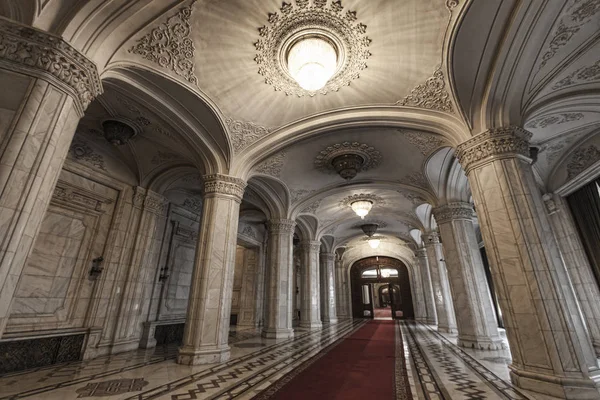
(361, 367)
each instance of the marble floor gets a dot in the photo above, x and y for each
(437, 369)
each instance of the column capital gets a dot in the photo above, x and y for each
(44, 55)
(453, 211)
(218, 184)
(432, 237)
(421, 252)
(550, 204)
(281, 226)
(311, 245)
(508, 142)
(327, 256)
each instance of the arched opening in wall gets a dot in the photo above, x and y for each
(381, 289)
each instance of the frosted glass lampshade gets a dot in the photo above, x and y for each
(312, 62)
(362, 208)
(374, 243)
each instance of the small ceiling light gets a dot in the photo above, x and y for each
(312, 61)
(348, 165)
(374, 243)
(369, 229)
(385, 273)
(117, 132)
(362, 207)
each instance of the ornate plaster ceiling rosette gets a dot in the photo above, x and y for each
(328, 19)
(371, 156)
(373, 198)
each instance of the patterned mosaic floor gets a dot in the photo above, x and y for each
(436, 369)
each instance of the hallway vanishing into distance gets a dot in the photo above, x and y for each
(300, 199)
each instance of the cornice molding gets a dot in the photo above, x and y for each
(44, 55)
(495, 143)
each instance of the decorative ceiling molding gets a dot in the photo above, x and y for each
(373, 198)
(411, 215)
(82, 152)
(426, 143)
(582, 75)
(581, 160)
(171, 46)
(431, 95)
(297, 194)
(556, 119)
(415, 199)
(415, 179)
(193, 204)
(312, 207)
(162, 157)
(293, 18)
(139, 117)
(371, 156)
(272, 166)
(578, 13)
(243, 134)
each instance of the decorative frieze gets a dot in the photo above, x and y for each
(170, 45)
(45, 54)
(281, 226)
(581, 160)
(224, 185)
(453, 211)
(511, 141)
(72, 195)
(431, 95)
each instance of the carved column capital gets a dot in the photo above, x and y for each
(217, 184)
(281, 226)
(495, 143)
(43, 55)
(149, 201)
(453, 211)
(422, 252)
(329, 257)
(310, 245)
(550, 204)
(432, 237)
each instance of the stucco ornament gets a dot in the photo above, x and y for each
(581, 160)
(371, 156)
(170, 45)
(339, 25)
(425, 142)
(244, 133)
(272, 165)
(556, 119)
(431, 95)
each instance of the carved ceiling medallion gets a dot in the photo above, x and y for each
(311, 17)
(325, 159)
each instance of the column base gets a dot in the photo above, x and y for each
(481, 343)
(277, 333)
(596, 345)
(331, 321)
(311, 325)
(557, 386)
(446, 329)
(191, 356)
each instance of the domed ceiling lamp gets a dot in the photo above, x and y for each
(312, 61)
(118, 132)
(369, 230)
(348, 165)
(362, 207)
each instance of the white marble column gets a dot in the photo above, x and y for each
(209, 308)
(580, 274)
(328, 285)
(475, 316)
(418, 297)
(310, 307)
(550, 353)
(41, 103)
(446, 319)
(430, 316)
(342, 300)
(280, 279)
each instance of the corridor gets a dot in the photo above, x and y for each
(424, 364)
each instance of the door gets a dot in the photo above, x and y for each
(396, 301)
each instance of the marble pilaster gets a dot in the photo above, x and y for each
(476, 321)
(580, 275)
(310, 308)
(550, 354)
(446, 319)
(47, 85)
(430, 316)
(329, 313)
(207, 323)
(342, 300)
(280, 279)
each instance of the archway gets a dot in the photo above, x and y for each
(381, 289)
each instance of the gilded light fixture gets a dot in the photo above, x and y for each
(362, 207)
